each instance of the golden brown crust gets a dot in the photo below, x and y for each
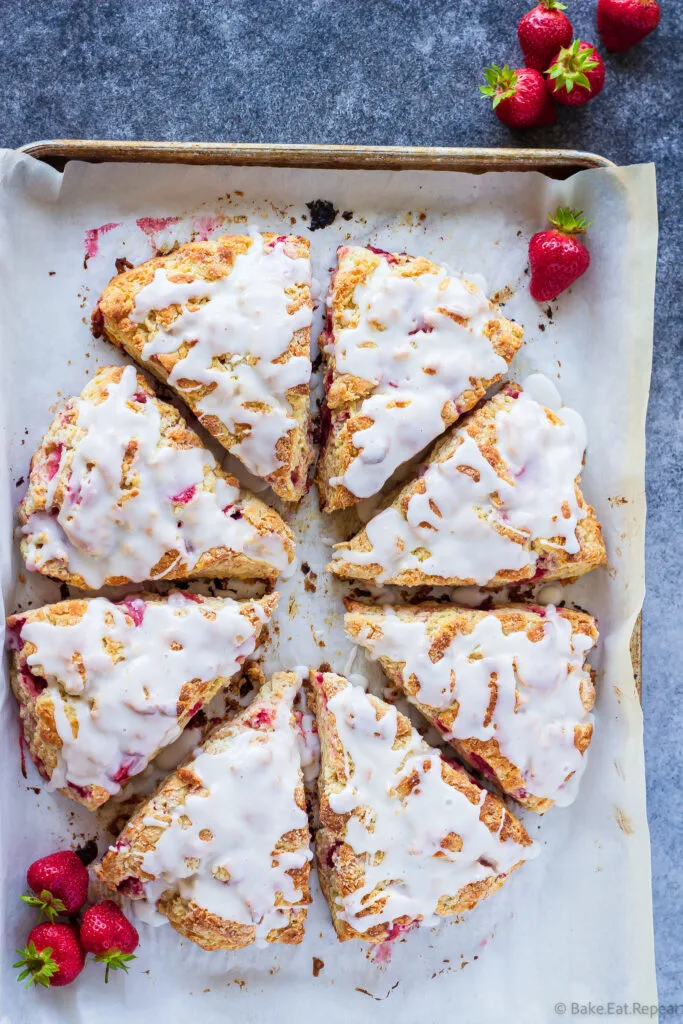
(36, 707)
(216, 563)
(209, 261)
(548, 560)
(345, 392)
(340, 870)
(443, 623)
(121, 867)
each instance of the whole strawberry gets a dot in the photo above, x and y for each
(576, 74)
(52, 956)
(60, 884)
(542, 32)
(557, 256)
(107, 933)
(520, 98)
(623, 23)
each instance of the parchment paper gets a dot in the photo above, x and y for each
(575, 924)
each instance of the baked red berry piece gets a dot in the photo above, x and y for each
(542, 32)
(577, 74)
(59, 883)
(107, 932)
(557, 256)
(623, 23)
(520, 97)
(52, 956)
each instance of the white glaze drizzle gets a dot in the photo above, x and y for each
(102, 531)
(409, 831)
(122, 681)
(542, 460)
(247, 806)
(418, 358)
(538, 702)
(235, 338)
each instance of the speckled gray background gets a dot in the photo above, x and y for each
(393, 72)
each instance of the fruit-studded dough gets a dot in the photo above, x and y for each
(227, 324)
(222, 848)
(409, 347)
(498, 502)
(121, 491)
(103, 686)
(508, 688)
(406, 838)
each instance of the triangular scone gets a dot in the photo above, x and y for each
(102, 687)
(406, 838)
(409, 347)
(508, 688)
(227, 324)
(121, 491)
(498, 502)
(222, 848)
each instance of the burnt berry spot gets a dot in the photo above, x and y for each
(97, 322)
(322, 213)
(87, 852)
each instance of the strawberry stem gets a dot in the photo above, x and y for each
(115, 960)
(568, 221)
(48, 905)
(553, 5)
(38, 967)
(500, 83)
(571, 65)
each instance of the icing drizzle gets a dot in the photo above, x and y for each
(471, 523)
(219, 847)
(421, 341)
(235, 338)
(538, 686)
(113, 523)
(415, 869)
(115, 677)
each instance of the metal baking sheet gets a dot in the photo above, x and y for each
(272, 178)
(557, 163)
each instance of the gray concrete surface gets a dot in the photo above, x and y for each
(392, 72)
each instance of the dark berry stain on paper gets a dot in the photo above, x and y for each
(322, 213)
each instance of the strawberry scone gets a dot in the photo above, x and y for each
(508, 688)
(122, 491)
(498, 502)
(222, 848)
(408, 348)
(406, 838)
(103, 686)
(227, 324)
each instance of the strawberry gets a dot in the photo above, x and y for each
(576, 75)
(520, 98)
(52, 956)
(623, 23)
(542, 32)
(557, 256)
(107, 933)
(60, 882)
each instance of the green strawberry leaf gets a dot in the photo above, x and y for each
(115, 961)
(569, 70)
(568, 221)
(48, 904)
(38, 967)
(500, 83)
